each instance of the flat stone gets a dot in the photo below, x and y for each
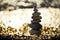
(36, 18)
(35, 26)
(35, 32)
(36, 21)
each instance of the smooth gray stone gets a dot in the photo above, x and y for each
(36, 14)
(36, 21)
(35, 26)
(35, 32)
(36, 17)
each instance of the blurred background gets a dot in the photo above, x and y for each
(13, 12)
(16, 14)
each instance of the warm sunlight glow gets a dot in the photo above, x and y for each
(18, 17)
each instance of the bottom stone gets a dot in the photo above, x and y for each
(35, 32)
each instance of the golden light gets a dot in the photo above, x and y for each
(17, 18)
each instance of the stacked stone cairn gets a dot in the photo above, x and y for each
(35, 23)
